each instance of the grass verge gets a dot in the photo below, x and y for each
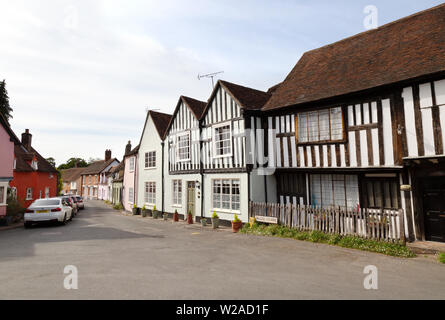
(441, 257)
(390, 249)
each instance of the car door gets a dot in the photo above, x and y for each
(67, 209)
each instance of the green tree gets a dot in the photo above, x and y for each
(72, 162)
(60, 183)
(5, 108)
(52, 161)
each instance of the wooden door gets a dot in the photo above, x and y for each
(191, 196)
(434, 211)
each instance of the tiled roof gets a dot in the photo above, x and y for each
(405, 49)
(24, 156)
(196, 106)
(248, 98)
(161, 121)
(72, 174)
(98, 166)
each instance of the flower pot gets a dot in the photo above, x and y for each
(236, 226)
(135, 211)
(215, 223)
(144, 213)
(155, 214)
(189, 219)
(165, 216)
(203, 222)
(149, 213)
(176, 217)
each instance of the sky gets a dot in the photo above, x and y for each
(82, 74)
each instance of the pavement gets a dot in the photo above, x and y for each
(129, 257)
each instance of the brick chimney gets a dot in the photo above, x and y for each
(107, 155)
(27, 139)
(128, 148)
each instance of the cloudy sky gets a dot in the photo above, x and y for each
(81, 74)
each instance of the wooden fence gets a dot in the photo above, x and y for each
(377, 224)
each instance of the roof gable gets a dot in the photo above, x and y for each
(196, 107)
(405, 49)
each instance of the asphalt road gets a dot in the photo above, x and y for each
(124, 257)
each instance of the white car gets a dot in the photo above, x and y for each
(48, 210)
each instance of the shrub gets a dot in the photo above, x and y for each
(118, 207)
(236, 219)
(442, 257)
(214, 215)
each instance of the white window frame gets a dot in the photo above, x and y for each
(147, 159)
(47, 193)
(132, 164)
(307, 114)
(131, 195)
(220, 209)
(35, 165)
(3, 193)
(214, 129)
(29, 194)
(178, 149)
(176, 193)
(150, 197)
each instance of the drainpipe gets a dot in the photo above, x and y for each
(201, 170)
(162, 178)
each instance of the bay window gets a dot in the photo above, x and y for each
(320, 125)
(226, 194)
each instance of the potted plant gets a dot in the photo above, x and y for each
(144, 212)
(155, 213)
(215, 220)
(135, 210)
(176, 216)
(190, 217)
(165, 216)
(203, 222)
(236, 224)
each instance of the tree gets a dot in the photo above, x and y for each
(52, 161)
(72, 163)
(5, 109)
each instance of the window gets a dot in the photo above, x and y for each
(2, 195)
(15, 163)
(29, 194)
(226, 194)
(47, 192)
(177, 192)
(150, 159)
(222, 141)
(89, 180)
(131, 164)
(131, 195)
(334, 191)
(51, 176)
(13, 191)
(150, 193)
(35, 165)
(322, 125)
(381, 193)
(184, 147)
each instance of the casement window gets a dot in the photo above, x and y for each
(222, 139)
(150, 159)
(177, 192)
(150, 193)
(320, 126)
(381, 193)
(334, 191)
(46, 192)
(89, 179)
(132, 161)
(35, 165)
(183, 144)
(29, 195)
(13, 192)
(2, 195)
(15, 163)
(95, 179)
(226, 194)
(131, 195)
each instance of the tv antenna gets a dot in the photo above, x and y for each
(210, 75)
(147, 109)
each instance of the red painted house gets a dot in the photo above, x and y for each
(7, 141)
(34, 177)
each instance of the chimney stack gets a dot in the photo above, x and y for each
(27, 139)
(128, 148)
(107, 155)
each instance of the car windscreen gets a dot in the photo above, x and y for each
(44, 203)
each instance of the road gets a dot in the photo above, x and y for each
(124, 257)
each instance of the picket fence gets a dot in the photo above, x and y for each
(376, 224)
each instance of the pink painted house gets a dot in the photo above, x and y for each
(130, 177)
(7, 141)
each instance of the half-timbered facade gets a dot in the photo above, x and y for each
(232, 146)
(358, 124)
(183, 166)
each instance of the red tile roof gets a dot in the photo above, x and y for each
(405, 49)
(248, 98)
(161, 121)
(196, 106)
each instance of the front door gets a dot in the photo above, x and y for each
(191, 191)
(434, 211)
